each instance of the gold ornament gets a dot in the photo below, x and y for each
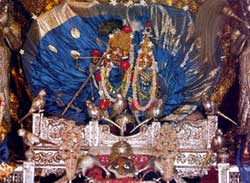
(121, 149)
(120, 40)
(75, 33)
(75, 54)
(6, 170)
(52, 48)
(4, 128)
(14, 106)
(49, 4)
(35, 6)
(41, 6)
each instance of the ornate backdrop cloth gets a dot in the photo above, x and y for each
(48, 63)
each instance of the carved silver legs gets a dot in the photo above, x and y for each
(223, 173)
(28, 172)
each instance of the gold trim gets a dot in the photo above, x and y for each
(54, 18)
(63, 12)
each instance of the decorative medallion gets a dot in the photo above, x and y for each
(52, 48)
(75, 33)
(75, 54)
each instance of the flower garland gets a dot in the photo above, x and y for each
(152, 91)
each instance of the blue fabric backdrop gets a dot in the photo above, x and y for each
(182, 74)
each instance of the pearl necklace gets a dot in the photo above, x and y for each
(105, 75)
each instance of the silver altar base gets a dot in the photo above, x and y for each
(194, 143)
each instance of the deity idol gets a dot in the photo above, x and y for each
(118, 63)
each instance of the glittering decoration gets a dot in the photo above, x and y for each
(4, 127)
(49, 4)
(193, 5)
(121, 158)
(75, 33)
(99, 42)
(120, 149)
(52, 48)
(75, 54)
(35, 6)
(40, 6)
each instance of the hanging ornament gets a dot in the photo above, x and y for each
(133, 107)
(127, 29)
(75, 33)
(103, 104)
(52, 48)
(95, 54)
(124, 65)
(98, 76)
(148, 25)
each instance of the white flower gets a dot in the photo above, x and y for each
(150, 44)
(142, 2)
(113, 2)
(21, 51)
(185, 8)
(100, 92)
(129, 3)
(111, 36)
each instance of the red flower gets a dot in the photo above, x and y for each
(133, 107)
(110, 104)
(127, 29)
(132, 76)
(98, 76)
(148, 25)
(95, 52)
(124, 65)
(95, 173)
(1, 102)
(103, 104)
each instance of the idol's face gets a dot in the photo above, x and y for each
(123, 166)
